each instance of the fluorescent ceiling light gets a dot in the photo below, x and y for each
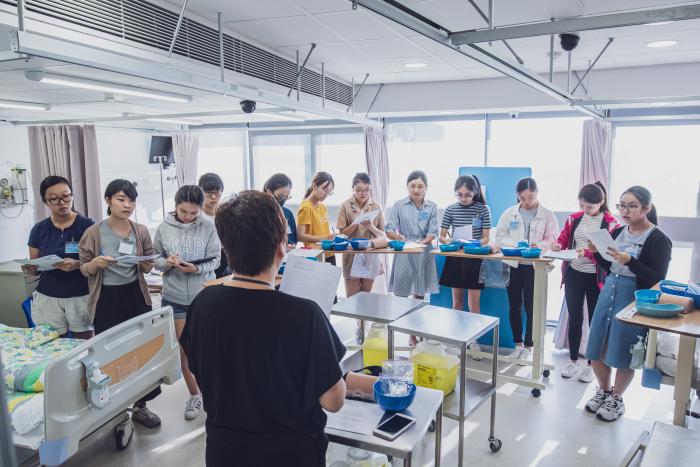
(23, 105)
(415, 65)
(659, 23)
(660, 104)
(174, 121)
(660, 44)
(281, 116)
(103, 86)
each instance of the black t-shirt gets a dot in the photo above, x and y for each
(50, 240)
(262, 359)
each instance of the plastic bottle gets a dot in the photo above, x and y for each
(375, 348)
(434, 368)
(637, 351)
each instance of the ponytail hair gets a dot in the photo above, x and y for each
(190, 194)
(594, 193)
(321, 178)
(644, 197)
(471, 183)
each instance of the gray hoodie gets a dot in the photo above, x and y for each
(193, 241)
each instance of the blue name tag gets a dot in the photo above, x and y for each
(71, 248)
(477, 223)
(514, 225)
(424, 216)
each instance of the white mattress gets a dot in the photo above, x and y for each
(31, 440)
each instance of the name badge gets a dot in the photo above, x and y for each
(514, 225)
(71, 248)
(126, 248)
(477, 223)
(423, 216)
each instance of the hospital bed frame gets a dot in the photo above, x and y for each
(99, 380)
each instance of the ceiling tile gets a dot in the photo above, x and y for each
(285, 31)
(390, 48)
(242, 10)
(323, 6)
(330, 52)
(356, 26)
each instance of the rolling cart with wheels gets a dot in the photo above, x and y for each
(460, 329)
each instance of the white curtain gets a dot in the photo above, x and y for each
(185, 151)
(596, 156)
(69, 151)
(377, 159)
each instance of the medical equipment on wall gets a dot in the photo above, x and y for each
(13, 187)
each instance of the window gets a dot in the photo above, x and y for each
(342, 155)
(223, 153)
(551, 147)
(289, 154)
(663, 159)
(437, 148)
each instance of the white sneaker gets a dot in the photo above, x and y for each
(516, 353)
(475, 347)
(193, 407)
(596, 402)
(570, 370)
(586, 375)
(526, 355)
(612, 409)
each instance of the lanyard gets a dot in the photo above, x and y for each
(252, 281)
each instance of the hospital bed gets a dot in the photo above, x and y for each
(95, 383)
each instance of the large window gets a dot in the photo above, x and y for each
(289, 154)
(437, 148)
(664, 159)
(223, 153)
(342, 155)
(551, 147)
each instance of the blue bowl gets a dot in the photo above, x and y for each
(450, 247)
(477, 250)
(397, 245)
(673, 288)
(327, 244)
(393, 403)
(512, 251)
(531, 252)
(339, 239)
(523, 244)
(359, 243)
(341, 246)
(474, 241)
(656, 310)
(647, 296)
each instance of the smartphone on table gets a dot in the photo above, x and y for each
(394, 426)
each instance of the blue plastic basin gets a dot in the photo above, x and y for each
(393, 403)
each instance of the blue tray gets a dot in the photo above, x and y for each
(531, 253)
(450, 247)
(512, 251)
(477, 250)
(656, 310)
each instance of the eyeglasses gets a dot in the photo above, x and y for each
(57, 200)
(465, 196)
(213, 194)
(627, 207)
(363, 192)
(282, 199)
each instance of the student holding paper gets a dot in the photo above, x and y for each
(530, 221)
(360, 203)
(183, 237)
(61, 297)
(468, 218)
(640, 259)
(312, 216)
(267, 362)
(583, 277)
(118, 292)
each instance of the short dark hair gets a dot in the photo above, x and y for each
(251, 226)
(211, 182)
(526, 183)
(50, 181)
(361, 177)
(125, 186)
(416, 174)
(276, 182)
(644, 197)
(190, 194)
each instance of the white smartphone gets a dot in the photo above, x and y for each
(394, 426)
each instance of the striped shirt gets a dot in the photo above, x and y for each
(581, 239)
(476, 214)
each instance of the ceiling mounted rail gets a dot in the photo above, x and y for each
(483, 55)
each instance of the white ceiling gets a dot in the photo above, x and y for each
(352, 43)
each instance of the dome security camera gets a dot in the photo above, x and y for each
(569, 40)
(248, 106)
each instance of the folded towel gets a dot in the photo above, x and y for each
(685, 302)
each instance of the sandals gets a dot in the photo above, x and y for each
(145, 417)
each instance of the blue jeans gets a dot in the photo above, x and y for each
(179, 311)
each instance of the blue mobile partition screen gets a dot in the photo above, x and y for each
(499, 185)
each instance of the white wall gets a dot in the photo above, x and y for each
(14, 232)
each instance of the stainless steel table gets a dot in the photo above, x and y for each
(426, 406)
(374, 307)
(457, 328)
(666, 445)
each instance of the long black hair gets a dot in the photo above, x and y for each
(125, 186)
(594, 193)
(321, 178)
(644, 197)
(471, 183)
(276, 182)
(190, 194)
